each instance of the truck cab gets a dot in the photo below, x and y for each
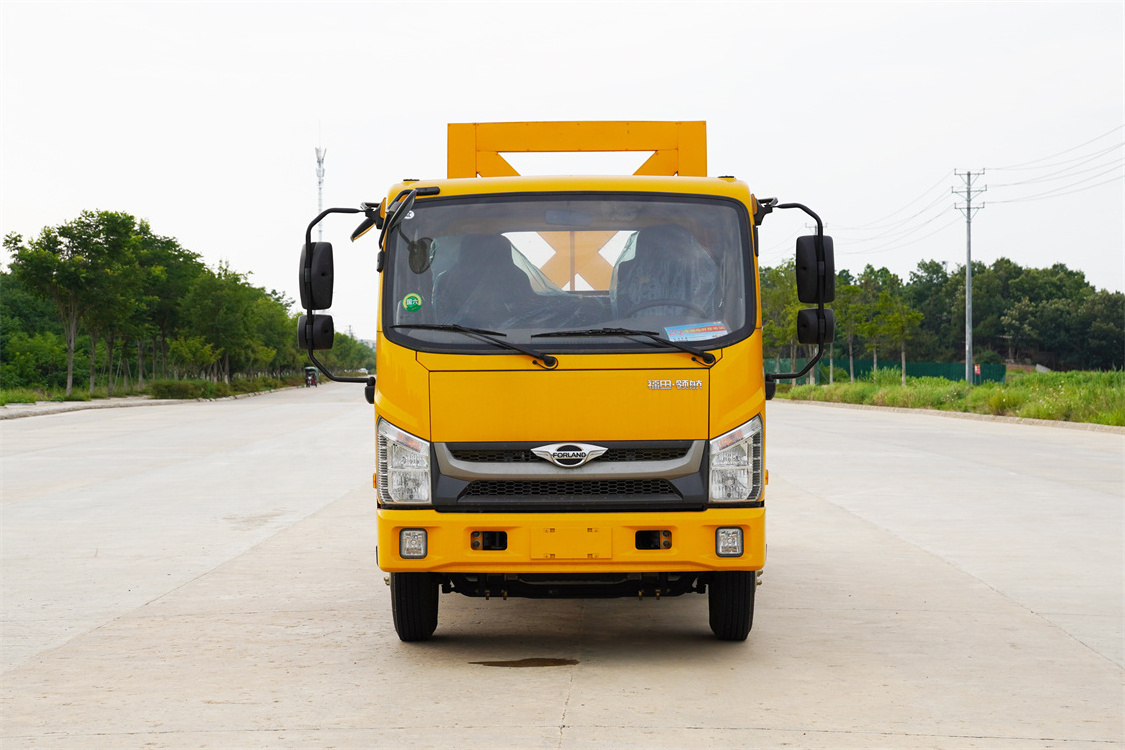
(570, 394)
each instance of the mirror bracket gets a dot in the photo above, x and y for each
(818, 324)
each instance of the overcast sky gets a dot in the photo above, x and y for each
(203, 117)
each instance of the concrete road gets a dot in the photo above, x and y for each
(202, 575)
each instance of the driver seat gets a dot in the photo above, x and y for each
(667, 265)
(483, 288)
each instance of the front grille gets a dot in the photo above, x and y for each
(612, 489)
(494, 457)
(613, 455)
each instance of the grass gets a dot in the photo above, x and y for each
(81, 393)
(185, 389)
(24, 396)
(189, 389)
(1095, 397)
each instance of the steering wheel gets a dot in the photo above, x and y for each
(666, 303)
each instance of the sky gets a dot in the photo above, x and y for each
(203, 117)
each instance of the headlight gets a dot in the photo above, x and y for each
(403, 465)
(736, 464)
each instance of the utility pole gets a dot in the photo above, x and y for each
(969, 211)
(320, 152)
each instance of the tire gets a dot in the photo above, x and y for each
(730, 603)
(414, 605)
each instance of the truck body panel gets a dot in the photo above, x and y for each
(583, 405)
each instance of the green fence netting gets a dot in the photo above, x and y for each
(863, 367)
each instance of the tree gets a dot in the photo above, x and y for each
(276, 330)
(1020, 325)
(217, 308)
(120, 282)
(991, 299)
(779, 309)
(193, 355)
(849, 311)
(60, 265)
(1056, 282)
(931, 292)
(23, 311)
(1102, 317)
(33, 361)
(898, 322)
(170, 272)
(873, 282)
(115, 291)
(348, 354)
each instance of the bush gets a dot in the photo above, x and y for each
(34, 361)
(256, 385)
(209, 389)
(1097, 397)
(21, 396)
(886, 376)
(179, 388)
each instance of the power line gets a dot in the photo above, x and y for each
(908, 230)
(1060, 153)
(1068, 171)
(1052, 194)
(788, 241)
(897, 244)
(903, 234)
(927, 191)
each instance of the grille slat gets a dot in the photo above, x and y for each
(610, 489)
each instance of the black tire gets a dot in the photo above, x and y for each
(730, 603)
(414, 605)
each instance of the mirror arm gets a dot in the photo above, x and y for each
(326, 212)
(775, 376)
(338, 378)
(308, 270)
(807, 210)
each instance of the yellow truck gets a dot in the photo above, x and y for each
(570, 394)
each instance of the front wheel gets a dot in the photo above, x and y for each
(414, 605)
(730, 602)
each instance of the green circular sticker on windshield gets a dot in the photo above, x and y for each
(412, 302)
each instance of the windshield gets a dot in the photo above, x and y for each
(531, 267)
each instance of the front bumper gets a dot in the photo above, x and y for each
(572, 542)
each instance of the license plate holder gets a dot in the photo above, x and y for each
(571, 543)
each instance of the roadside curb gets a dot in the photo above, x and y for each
(1085, 426)
(43, 408)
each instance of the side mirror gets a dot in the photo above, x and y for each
(315, 330)
(810, 271)
(809, 326)
(316, 276)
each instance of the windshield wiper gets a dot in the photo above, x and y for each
(547, 360)
(706, 358)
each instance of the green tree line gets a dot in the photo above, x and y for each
(105, 294)
(1049, 316)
